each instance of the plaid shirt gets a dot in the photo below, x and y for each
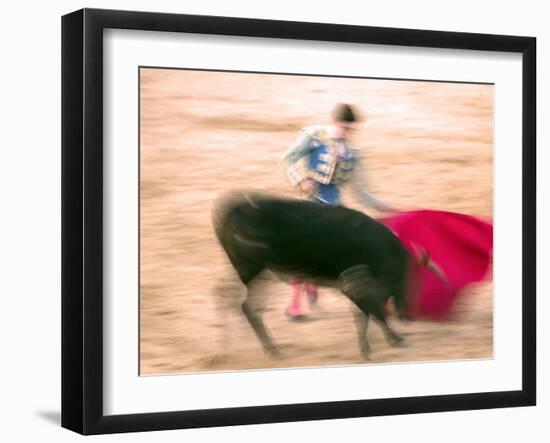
(339, 169)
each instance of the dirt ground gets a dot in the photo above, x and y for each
(427, 145)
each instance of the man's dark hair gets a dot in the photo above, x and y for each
(344, 113)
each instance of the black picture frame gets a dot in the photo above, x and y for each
(82, 218)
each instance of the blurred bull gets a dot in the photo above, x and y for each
(327, 245)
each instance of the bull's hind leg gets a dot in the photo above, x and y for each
(252, 309)
(369, 296)
(227, 296)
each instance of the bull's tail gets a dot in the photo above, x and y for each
(233, 203)
(222, 207)
(240, 228)
(233, 216)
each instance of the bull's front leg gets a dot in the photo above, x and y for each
(361, 321)
(369, 296)
(355, 284)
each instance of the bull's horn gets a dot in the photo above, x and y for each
(432, 266)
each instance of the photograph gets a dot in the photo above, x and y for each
(302, 221)
(297, 218)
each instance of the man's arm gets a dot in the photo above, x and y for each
(290, 159)
(358, 187)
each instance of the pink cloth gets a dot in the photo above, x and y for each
(460, 245)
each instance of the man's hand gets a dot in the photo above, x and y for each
(387, 209)
(308, 187)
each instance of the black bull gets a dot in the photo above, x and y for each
(327, 245)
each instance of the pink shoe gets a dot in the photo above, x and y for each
(312, 293)
(294, 314)
(294, 310)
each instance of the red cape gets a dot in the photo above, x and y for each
(460, 245)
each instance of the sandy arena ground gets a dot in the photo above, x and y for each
(428, 145)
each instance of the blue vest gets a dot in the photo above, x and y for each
(329, 172)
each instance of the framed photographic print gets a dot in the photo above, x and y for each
(269, 221)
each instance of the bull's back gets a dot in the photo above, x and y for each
(296, 235)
